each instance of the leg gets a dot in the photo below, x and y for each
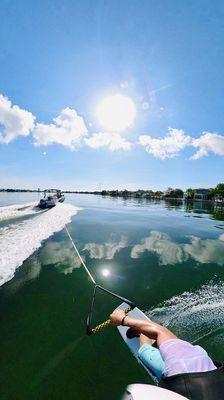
(150, 356)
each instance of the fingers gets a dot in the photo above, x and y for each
(116, 317)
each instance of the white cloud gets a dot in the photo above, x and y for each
(207, 143)
(114, 141)
(14, 120)
(106, 250)
(124, 84)
(167, 147)
(68, 130)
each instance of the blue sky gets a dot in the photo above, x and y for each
(60, 59)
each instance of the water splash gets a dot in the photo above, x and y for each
(18, 210)
(20, 240)
(193, 315)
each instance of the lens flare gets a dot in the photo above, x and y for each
(105, 272)
(116, 113)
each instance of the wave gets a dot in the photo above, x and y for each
(18, 210)
(193, 315)
(20, 240)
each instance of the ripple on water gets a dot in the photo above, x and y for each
(194, 315)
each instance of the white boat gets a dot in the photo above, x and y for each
(51, 198)
(150, 392)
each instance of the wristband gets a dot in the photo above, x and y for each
(122, 321)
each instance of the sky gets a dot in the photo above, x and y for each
(123, 94)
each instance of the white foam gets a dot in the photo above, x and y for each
(193, 315)
(19, 241)
(18, 210)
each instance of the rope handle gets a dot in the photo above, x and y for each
(89, 330)
(106, 323)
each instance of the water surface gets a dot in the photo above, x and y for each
(167, 257)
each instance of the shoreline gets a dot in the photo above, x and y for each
(117, 194)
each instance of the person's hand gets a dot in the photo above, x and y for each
(116, 317)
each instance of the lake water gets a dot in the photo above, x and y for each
(166, 257)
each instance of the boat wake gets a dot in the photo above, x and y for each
(194, 316)
(20, 240)
(18, 210)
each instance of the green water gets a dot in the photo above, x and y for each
(153, 251)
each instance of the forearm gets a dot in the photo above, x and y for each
(150, 329)
(146, 327)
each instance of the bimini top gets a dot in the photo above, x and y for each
(52, 191)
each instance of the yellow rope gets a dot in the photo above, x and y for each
(78, 254)
(106, 323)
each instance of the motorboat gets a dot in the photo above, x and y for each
(51, 198)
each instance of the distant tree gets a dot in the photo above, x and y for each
(125, 193)
(139, 193)
(158, 193)
(175, 193)
(219, 190)
(114, 193)
(190, 193)
(149, 193)
(211, 194)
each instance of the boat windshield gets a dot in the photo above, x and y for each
(52, 193)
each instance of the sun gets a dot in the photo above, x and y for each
(116, 113)
(105, 272)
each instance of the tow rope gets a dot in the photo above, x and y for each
(106, 323)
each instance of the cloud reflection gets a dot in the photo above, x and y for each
(161, 244)
(206, 251)
(203, 251)
(106, 250)
(61, 255)
(31, 272)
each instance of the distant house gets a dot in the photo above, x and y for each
(168, 191)
(219, 199)
(202, 194)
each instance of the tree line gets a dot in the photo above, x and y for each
(176, 193)
(189, 194)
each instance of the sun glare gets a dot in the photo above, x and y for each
(105, 272)
(116, 113)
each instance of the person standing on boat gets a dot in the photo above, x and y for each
(178, 365)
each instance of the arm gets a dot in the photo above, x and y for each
(148, 328)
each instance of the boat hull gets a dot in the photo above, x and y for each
(61, 199)
(47, 203)
(51, 198)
